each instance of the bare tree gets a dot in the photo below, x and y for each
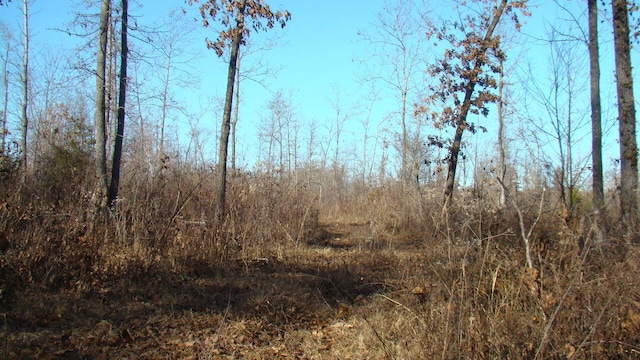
(48, 95)
(311, 141)
(114, 185)
(223, 11)
(397, 43)
(563, 118)
(589, 37)
(100, 194)
(276, 128)
(236, 111)
(596, 117)
(268, 132)
(365, 120)
(626, 118)
(256, 71)
(339, 121)
(24, 78)
(173, 59)
(502, 162)
(7, 37)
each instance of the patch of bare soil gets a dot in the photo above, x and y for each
(298, 306)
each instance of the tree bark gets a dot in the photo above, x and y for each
(226, 117)
(99, 196)
(461, 125)
(5, 105)
(403, 121)
(626, 119)
(501, 146)
(236, 111)
(165, 105)
(25, 89)
(122, 98)
(596, 117)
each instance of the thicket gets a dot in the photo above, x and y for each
(452, 285)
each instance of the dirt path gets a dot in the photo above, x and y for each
(300, 306)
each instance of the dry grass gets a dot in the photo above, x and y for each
(376, 274)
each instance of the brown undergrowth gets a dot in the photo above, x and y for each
(288, 276)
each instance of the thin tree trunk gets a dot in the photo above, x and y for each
(122, 98)
(596, 118)
(454, 150)
(568, 144)
(165, 99)
(5, 85)
(626, 119)
(100, 199)
(403, 120)
(236, 110)
(501, 146)
(226, 117)
(25, 88)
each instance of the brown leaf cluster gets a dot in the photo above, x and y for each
(468, 64)
(248, 15)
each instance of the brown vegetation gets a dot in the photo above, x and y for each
(372, 273)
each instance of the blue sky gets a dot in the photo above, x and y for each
(318, 51)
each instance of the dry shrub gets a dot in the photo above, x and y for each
(264, 288)
(476, 299)
(45, 245)
(268, 214)
(484, 304)
(163, 220)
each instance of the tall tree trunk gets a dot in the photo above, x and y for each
(403, 120)
(25, 88)
(122, 98)
(236, 111)
(165, 105)
(461, 125)
(596, 120)
(569, 143)
(226, 117)
(502, 172)
(5, 86)
(626, 118)
(100, 194)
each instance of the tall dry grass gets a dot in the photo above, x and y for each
(377, 272)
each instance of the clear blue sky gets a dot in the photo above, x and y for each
(318, 51)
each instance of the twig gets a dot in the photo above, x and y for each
(547, 328)
(523, 231)
(225, 315)
(304, 219)
(295, 244)
(384, 345)
(634, 348)
(593, 327)
(181, 204)
(404, 307)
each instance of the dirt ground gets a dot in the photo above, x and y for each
(303, 304)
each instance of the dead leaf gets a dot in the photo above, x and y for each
(570, 350)
(343, 311)
(548, 301)
(632, 322)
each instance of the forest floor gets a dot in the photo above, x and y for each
(319, 300)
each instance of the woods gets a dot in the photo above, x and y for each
(423, 180)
